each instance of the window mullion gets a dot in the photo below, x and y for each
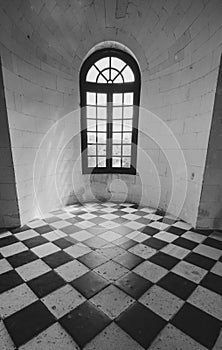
(109, 129)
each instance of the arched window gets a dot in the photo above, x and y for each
(110, 92)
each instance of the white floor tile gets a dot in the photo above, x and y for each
(134, 225)
(16, 299)
(137, 236)
(45, 249)
(159, 225)
(191, 272)
(217, 268)
(183, 225)
(54, 235)
(63, 300)
(112, 301)
(207, 301)
(194, 236)
(32, 269)
(26, 234)
(150, 271)
(71, 270)
(165, 236)
(81, 235)
(111, 271)
(13, 249)
(161, 302)
(208, 251)
(4, 266)
(143, 251)
(110, 236)
(77, 250)
(177, 252)
(36, 223)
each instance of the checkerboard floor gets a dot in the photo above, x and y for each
(110, 276)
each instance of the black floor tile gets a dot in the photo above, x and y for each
(35, 241)
(93, 259)
(149, 230)
(155, 243)
(141, 323)
(128, 260)
(89, 284)
(43, 229)
(7, 240)
(22, 258)
(185, 243)
(202, 232)
(200, 260)
(164, 260)
(46, 283)
(214, 243)
(57, 259)
(197, 324)
(133, 284)
(168, 221)
(177, 285)
(20, 229)
(63, 243)
(84, 323)
(8, 280)
(28, 322)
(212, 282)
(175, 230)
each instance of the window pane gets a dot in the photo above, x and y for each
(91, 98)
(91, 162)
(101, 162)
(117, 63)
(117, 112)
(101, 112)
(126, 150)
(101, 150)
(127, 125)
(128, 75)
(91, 112)
(101, 99)
(117, 137)
(101, 79)
(118, 80)
(91, 150)
(91, 136)
(91, 125)
(117, 150)
(128, 98)
(102, 63)
(116, 162)
(117, 99)
(101, 125)
(126, 162)
(127, 137)
(101, 137)
(117, 125)
(128, 112)
(113, 74)
(92, 74)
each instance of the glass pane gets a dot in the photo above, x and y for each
(92, 74)
(102, 63)
(128, 98)
(117, 63)
(126, 150)
(117, 125)
(91, 124)
(128, 75)
(91, 150)
(127, 125)
(101, 149)
(101, 125)
(101, 79)
(117, 112)
(91, 137)
(90, 98)
(101, 112)
(116, 162)
(101, 137)
(101, 99)
(101, 162)
(117, 99)
(118, 80)
(106, 74)
(117, 137)
(116, 150)
(127, 137)
(91, 112)
(128, 112)
(91, 162)
(126, 162)
(113, 74)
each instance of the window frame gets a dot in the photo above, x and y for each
(109, 89)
